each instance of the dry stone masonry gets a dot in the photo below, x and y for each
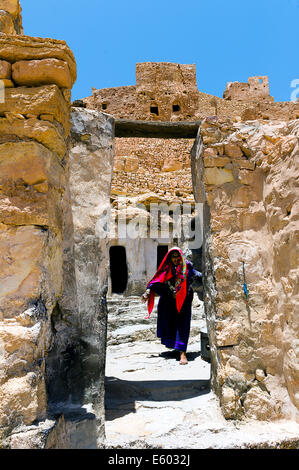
(61, 167)
(246, 174)
(34, 127)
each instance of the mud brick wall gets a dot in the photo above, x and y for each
(34, 127)
(246, 174)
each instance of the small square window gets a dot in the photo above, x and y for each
(104, 105)
(154, 110)
(176, 108)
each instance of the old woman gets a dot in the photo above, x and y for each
(172, 282)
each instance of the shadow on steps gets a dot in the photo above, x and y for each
(121, 395)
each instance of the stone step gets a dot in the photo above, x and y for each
(123, 391)
(145, 332)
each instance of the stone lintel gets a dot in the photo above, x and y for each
(157, 129)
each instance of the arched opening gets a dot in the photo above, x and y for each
(118, 269)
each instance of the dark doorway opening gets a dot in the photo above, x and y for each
(176, 108)
(161, 252)
(118, 269)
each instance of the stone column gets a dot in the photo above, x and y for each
(246, 174)
(34, 127)
(91, 168)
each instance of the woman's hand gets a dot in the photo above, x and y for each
(146, 295)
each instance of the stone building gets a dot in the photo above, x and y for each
(159, 170)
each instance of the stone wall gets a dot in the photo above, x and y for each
(162, 166)
(141, 168)
(246, 175)
(34, 127)
(10, 17)
(257, 89)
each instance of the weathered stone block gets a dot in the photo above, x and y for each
(22, 400)
(30, 269)
(210, 152)
(243, 196)
(247, 177)
(17, 48)
(11, 6)
(171, 165)
(42, 72)
(233, 150)
(6, 23)
(43, 132)
(22, 166)
(216, 161)
(30, 162)
(228, 333)
(36, 101)
(218, 176)
(258, 404)
(230, 403)
(5, 70)
(245, 164)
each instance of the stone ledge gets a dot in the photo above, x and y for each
(16, 48)
(42, 72)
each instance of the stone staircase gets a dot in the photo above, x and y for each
(127, 323)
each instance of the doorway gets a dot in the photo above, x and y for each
(118, 269)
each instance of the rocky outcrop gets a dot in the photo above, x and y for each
(246, 174)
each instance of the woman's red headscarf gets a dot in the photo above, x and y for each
(164, 273)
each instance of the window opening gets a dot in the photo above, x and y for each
(155, 110)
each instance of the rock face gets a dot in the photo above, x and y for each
(250, 217)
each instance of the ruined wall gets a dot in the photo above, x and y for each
(257, 89)
(246, 175)
(34, 127)
(166, 91)
(161, 166)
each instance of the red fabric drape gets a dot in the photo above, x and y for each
(164, 273)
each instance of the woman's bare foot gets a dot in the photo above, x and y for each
(183, 358)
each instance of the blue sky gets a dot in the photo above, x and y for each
(227, 40)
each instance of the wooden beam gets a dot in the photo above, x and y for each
(157, 129)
